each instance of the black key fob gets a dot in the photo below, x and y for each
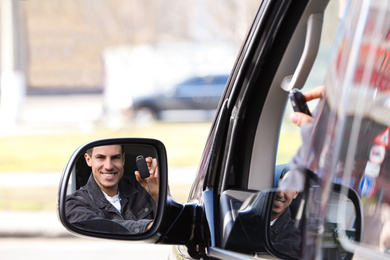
(142, 167)
(298, 102)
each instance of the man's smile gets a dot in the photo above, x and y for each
(278, 202)
(109, 174)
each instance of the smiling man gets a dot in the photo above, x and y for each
(281, 202)
(284, 236)
(111, 201)
(107, 163)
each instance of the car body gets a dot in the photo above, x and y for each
(228, 211)
(195, 98)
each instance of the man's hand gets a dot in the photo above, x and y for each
(299, 118)
(151, 183)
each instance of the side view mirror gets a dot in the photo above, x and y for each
(287, 223)
(291, 227)
(112, 169)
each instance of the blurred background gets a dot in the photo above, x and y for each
(73, 71)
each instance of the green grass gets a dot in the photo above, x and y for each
(184, 144)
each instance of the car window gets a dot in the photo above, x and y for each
(239, 192)
(209, 86)
(189, 90)
(191, 81)
(290, 137)
(220, 80)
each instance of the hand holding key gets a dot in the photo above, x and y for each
(147, 175)
(300, 118)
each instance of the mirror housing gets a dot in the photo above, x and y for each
(107, 229)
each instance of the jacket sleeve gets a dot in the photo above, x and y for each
(81, 214)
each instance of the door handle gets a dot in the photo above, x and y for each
(312, 43)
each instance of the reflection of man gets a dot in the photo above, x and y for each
(284, 236)
(110, 196)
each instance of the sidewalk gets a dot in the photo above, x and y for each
(31, 224)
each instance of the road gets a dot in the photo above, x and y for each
(75, 248)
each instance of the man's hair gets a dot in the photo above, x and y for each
(90, 150)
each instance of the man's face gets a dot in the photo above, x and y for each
(107, 167)
(282, 200)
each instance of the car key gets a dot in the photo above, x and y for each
(142, 167)
(298, 102)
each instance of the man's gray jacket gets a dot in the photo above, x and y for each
(89, 209)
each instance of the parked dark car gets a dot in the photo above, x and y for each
(194, 99)
(334, 192)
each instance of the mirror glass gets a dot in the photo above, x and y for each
(341, 223)
(293, 226)
(286, 221)
(114, 189)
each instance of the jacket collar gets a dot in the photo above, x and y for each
(282, 221)
(97, 195)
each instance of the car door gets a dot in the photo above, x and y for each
(203, 94)
(187, 93)
(240, 154)
(198, 93)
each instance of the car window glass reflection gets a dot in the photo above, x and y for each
(111, 195)
(292, 227)
(285, 217)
